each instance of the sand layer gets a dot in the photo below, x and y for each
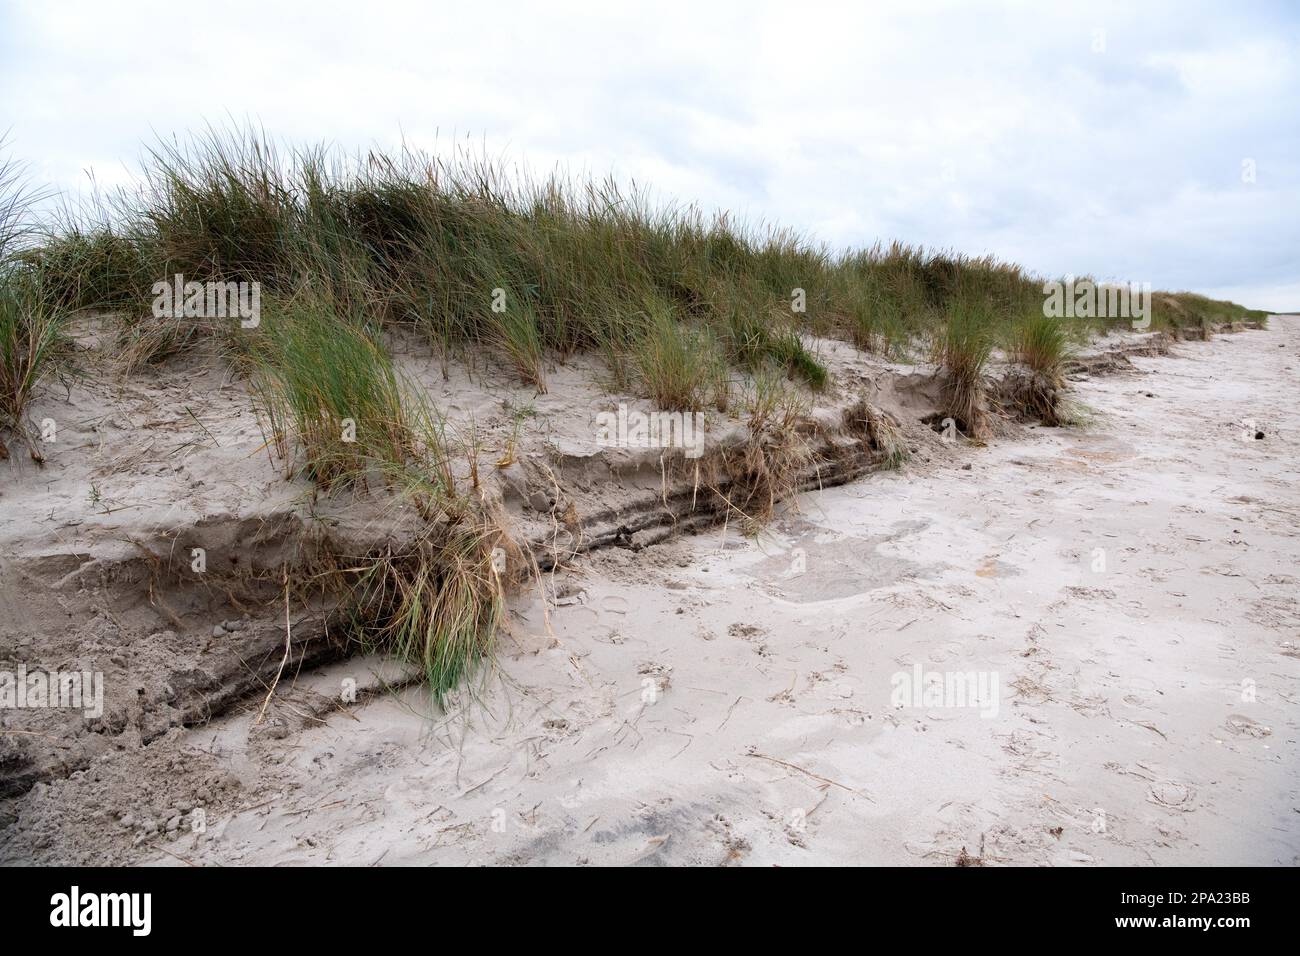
(1123, 599)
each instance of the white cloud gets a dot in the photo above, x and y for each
(991, 129)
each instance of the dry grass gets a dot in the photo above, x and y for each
(882, 432)
(752, 478)
(435, 602)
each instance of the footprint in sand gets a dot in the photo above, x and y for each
(1172, 795)
(1245, 727)
(614, 604)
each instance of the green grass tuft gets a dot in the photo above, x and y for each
(328, 386)
(32, 339)
(962, 348)
(679, 366)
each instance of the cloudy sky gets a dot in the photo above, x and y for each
(1157, 144)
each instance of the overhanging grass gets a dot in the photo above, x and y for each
(1034, 383)
(436, 603)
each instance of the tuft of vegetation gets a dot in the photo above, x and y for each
(1040, 342)
(516, 333)
(436, 603)
(1034, 386)
(752, 478)
(92, 267)
(882, 432)
(32, 340)
(962, 348)
(329, 387)
(678, 365)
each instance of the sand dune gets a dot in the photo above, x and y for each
(1124, 598)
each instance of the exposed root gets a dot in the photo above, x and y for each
(1035, 395)
(882, 431)
(751, 478)
(967, 404)
(435, 602)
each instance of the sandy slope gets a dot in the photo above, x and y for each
(718, 699)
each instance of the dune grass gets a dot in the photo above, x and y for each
(328, 393)
(472, 255)
(1041, 343)
(32, 339)
(475, 257)
(1177, 311)
(435, 603)
(962, 348)
(32, 342)
(679, 366)
(1034, 384)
